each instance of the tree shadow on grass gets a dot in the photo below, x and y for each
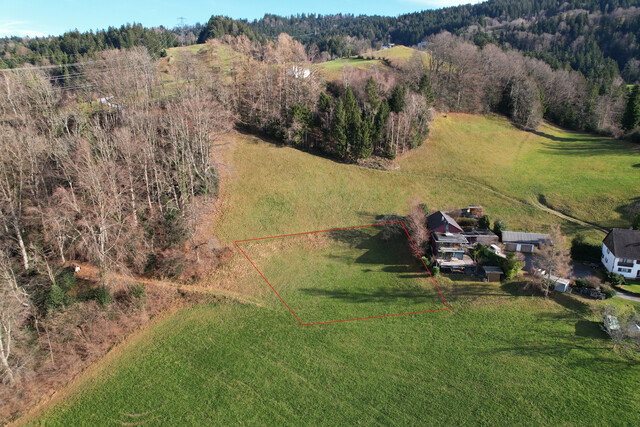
(394, 252)
(589, 148)
(563, 351)
(414, 294)
(589, 329)
(572, 303)
(554, 137)
(475, 290)
(628, 210)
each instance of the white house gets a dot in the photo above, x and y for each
(621, 252)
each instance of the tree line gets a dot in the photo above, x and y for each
(115, 181)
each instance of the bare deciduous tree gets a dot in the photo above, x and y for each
(14, 309)
(553, 257)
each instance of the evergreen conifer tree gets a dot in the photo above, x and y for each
(631, 117)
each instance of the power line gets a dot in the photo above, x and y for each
(43, 67)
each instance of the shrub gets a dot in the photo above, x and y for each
(101, 295)
(608, 290)
(484, 222)
(426, 261)
(55, 298)
(66, 280)
(511, 266)
(435, 271)
(615, 279)
(591, 282)
(138, 291)
(499, 227)
(581, 250)
(467, 222)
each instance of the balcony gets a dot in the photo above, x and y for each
(625, 264)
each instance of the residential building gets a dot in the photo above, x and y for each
(484, 236)
(621, 252)
(441, 222)
(450, 250)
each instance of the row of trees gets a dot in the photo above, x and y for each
(467, 78)
(74, 46)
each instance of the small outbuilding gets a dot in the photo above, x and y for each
(562, 285)
(492, 274)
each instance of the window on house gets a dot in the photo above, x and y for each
(608, 251)
(624, 270)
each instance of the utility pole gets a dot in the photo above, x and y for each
(181, 20)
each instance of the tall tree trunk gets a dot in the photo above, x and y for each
(23, 249)
(5, 341)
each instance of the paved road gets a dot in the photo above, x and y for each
(626, 296)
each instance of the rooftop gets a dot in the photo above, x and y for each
(479, 232)
(520, 237)
(624, 243)
(438, 219)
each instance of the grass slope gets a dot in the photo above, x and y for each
(333, 69)
(499, 357)
(505, 361)
(395, 55)
(589, 177)
(345, 274)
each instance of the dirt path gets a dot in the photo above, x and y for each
(540, 206)
(90, 273)
(531, 202)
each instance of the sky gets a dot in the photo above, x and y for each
(47, 17)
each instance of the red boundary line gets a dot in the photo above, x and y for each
(338, 229)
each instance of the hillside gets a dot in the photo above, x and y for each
(253, 363)
(594, 37)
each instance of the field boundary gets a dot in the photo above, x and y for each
(339, 229)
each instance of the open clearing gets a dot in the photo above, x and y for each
(500, 357)
(346, 274)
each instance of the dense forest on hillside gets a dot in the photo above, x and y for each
(74, 46)
(596, 37)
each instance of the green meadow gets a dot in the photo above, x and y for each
(346, 274)
(499, 357)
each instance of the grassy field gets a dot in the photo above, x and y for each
(633, 286)
(499, 357)
(399, 54)
(333, 69)
(588, 177)
(345, 274)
